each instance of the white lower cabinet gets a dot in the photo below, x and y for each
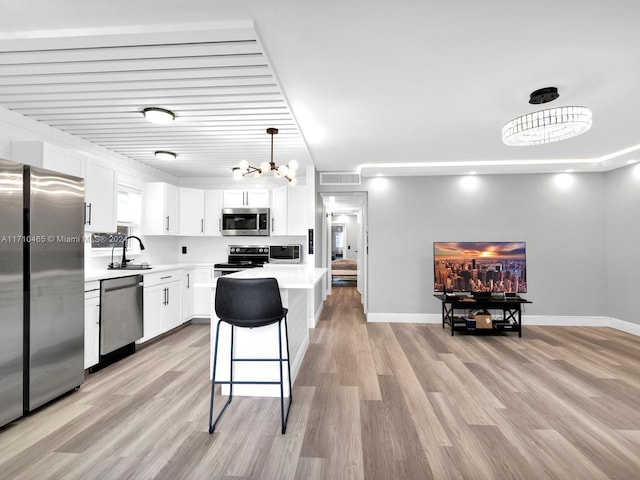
(91, 324)
(162, 300)
(202, 296)
(188, 294)
(153, 301)
(172, 311)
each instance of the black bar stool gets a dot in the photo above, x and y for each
(250, 303)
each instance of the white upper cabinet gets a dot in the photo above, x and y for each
(160, 210)
(246, 198)
(298, 210)
(279, 211)
(213, 213)
(40, 154)
(99, 181)
(192, 221)
(289, 210)
(100, 196)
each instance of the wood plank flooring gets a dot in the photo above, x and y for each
(371, 401)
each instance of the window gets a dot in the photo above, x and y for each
(109, 240)
(129, 213)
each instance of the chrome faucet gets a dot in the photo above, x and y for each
(124, 249)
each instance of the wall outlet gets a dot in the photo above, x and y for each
(184, 250)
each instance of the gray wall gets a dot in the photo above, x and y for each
(623, 242)
(319, 220)
(564, 229)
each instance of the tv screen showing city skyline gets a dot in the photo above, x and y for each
(480, 267)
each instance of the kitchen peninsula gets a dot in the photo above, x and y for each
(301, 289)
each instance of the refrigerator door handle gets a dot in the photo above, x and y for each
(87, 213)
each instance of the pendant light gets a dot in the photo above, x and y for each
(287, 172)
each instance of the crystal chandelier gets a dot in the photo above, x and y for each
(546, 126)
(287, 172)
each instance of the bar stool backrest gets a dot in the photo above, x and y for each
(248, 302)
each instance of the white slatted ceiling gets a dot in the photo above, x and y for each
(218, 83)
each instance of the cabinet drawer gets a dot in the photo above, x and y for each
(92, 286)
(157, 278)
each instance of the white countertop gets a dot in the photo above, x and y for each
(102, 274)
(288, 276)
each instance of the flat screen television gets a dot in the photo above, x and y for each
(479, 267)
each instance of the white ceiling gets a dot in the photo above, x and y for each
(411, 87)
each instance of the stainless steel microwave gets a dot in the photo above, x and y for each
(245, 222)
(285, 254)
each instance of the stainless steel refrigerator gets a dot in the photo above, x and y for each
(41, 287)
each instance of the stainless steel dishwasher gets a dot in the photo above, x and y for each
(120, 313)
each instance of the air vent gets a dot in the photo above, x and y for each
(339, 178)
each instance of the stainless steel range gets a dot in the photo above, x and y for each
(242, 257)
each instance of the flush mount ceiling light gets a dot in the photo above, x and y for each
(158, 115)
(546, 126)
(287, 172)
(164, 155)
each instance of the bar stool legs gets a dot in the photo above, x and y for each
(212, 424)
(283, 415)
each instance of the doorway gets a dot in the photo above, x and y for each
(345, 240)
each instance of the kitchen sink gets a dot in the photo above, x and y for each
(131, 266)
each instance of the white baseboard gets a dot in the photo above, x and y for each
(625, 326)
(316, 317)
(549, 320)
(298, 357)
(404, 317)
(566, 321)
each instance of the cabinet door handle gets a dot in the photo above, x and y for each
(167, 295)
(273, 222)
(202, 225)
(164, 278)
(167, 223)
(188, 280)
(98, 316)
(220, 225)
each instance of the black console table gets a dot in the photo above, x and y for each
(511, 312)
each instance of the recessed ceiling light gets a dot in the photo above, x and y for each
(569, 170)
(163, 155)
(631, 162)
(158, 115)
(472, 172)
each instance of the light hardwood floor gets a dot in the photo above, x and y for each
(375, 401)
